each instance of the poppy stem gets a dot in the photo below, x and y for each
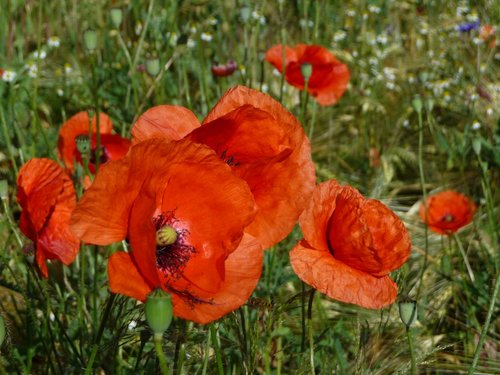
(283, 50)
(215, 343)
(409, 336)
(303, 314)
(464, 256)
(161, 355)
(310, 330)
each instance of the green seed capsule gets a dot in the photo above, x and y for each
(90, 40)
(306, 70)
(408, 312)
(116, 16)
(159, 311)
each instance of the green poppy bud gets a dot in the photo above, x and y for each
(417, 104)
(159, 311)
(408, 312)
(166, 236)
(116, 16)
(90, 40)
(82, 144)
(306, 70)
(153, 66)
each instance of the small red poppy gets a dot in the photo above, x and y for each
(209, 266)
(113, 146)
(329, 77)
(263, 143)
(47, 198)
(224, 70)
(447, 211)
(350, 246)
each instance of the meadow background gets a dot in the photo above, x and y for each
(421, 114)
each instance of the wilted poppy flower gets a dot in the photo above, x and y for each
(487, 32)
(113, 146)
(183, 212)
(262, 142)
(447, 211)
(47, 198)
(224, 70)
(329, 78)
(350, 245)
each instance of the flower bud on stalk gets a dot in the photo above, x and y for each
(90, 40)
(408, 312)
(159, 312)
(306, 70)
(116, 17)
(153, 66)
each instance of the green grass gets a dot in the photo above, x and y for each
(395, 51)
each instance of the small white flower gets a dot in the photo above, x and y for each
(190, 43)
(213, 21)
(477, 41)
(67, 68)
(54, 42)
(8, 75)
(52, 317)
(411, 78)
(303, 23)
(382, 39)
(206, 37)
(354, 53)
(351, 12)
(132, 325)
(461, 10)
(390, 85)
(276, 73)
(476, 125)
(60, 92)
(172, 38)
(193, 29)
(339, 35)
(265, 87)
(42, 55)
(472, 17)
(489, 111)
(374, 9)
(419, 43)
(32, 69)
(474, 97)
(262, 20)
(255, 15)
(406, 124)
(243, 71)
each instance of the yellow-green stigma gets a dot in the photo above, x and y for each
(165, 236)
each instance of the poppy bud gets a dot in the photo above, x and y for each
(83, 144)
(2, 330)
(417, 104)
(476, 145)
(90, 40)
(153, 66)
(306, 70)
(116, 16)
(166, 236)
(159, 311)
(4, 190)
(408, 312)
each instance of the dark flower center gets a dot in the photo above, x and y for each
(448, 218)
(229, 159)
(103, 158)
(172, 255)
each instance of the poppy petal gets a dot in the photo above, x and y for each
(281, 186)
(315, 218)
(125, 278)
(243, 270)
(275, 56)
(164, 121)
(361, 239)
(77, 125)
(339, 281)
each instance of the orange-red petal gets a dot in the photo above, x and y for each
(281, 185)
(366, 235)
(274, 55)
(243, 268)
(339, 281)
(164, 121)
(77, 125)
(125, 278)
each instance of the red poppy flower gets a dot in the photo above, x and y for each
(350, 245)
(113, 147)
(329, 77)
(447, 211)
(262, 142)
(47, 198)
(224, 70)
(184, 189)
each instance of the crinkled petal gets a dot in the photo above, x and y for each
(275, 56)
(243, 270)
(125, 278)
(339, 281)
(164, 121)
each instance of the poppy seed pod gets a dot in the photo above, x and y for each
(90, 40)
(306, 70)
(153, 66)
(82, 144)
(116, 16)
(166, 236)
(417, 104)
(158, 311)
(408, 312)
